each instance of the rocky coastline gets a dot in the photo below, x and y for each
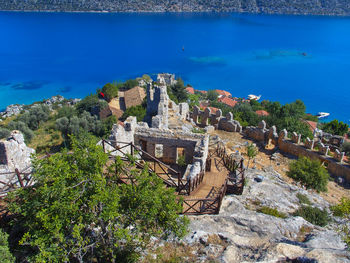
(297, 7)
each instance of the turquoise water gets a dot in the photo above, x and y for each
(44, 54)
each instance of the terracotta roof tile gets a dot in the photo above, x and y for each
(228, 101)
(262, 113)
(190, 90)
(223, 93)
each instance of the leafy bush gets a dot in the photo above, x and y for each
(342, 209)
(181, 161)
(78, 213)
(212, 95)
(35, 115)
(198, 130)
(91, 104)
(178, 92)
(138, 111)
(336, 127)
(303, 199)
(66, 111)
(4, 133)
(22, 127)
(252, 152)
(5, 254)
(271, 211)
(310, 173)
(314, 215)
(110, 91)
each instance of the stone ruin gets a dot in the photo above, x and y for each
(14, 154)
(206, 118)
(158, 106)
(165, 144)
(166, 79)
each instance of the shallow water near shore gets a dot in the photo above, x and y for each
(283, 58)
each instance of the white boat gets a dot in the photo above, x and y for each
(322, 114)
(254, 97)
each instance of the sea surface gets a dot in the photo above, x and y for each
(282, 58)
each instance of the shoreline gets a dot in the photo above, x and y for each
(178, 12)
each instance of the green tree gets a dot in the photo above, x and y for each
(138, 111)
(21, 126)
(310, 173)
(130, 83)
(177, 92)
(212, 95)
(35, 116)
(91, 104)
(78, 212)
(252, 152)
(336, 127)
(5, 254)
(110, 91)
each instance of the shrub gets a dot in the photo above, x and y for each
(343, 209)
(4, 133)
(181, 161)
(303, 199)
(271, 211)
(110, 91)
(5, 254)
(21, 126)
(310, 173)
(335, 127)
(252, 152)
(138, 111)
(198, 130)
(314, 215)
(91, 104)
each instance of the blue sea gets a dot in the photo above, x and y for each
(282, 58)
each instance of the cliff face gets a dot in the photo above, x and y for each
(315, 7)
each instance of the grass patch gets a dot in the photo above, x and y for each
(314, 215)
(303, 199)
(198, 130)
(46, 138)
(271, 211)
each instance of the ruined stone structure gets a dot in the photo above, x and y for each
(166, 79)
(14, 154)
(204, 118)
(166, 145)
(297, 148)
(157, 106)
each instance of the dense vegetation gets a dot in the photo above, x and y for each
(335, 127)
(177, 92)
(343, 210)
(77, 211)
(314, 215)
(327, 7)
(310, 173)
(5, 254)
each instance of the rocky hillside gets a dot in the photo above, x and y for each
(316, 7)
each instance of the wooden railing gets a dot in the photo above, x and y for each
(205, 205)
(170, 176)
(237, 171)
(16, 180)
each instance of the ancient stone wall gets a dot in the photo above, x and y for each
(157, 107)
(14, 154)
(205, 118)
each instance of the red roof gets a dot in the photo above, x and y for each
(202, 91)
(262, 113)
(228, 101)
(312, 125)
(213, 110)
(223, 93)
(190, 90)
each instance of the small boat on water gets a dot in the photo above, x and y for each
(254, 97)
(322, 115)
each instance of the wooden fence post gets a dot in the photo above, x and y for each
(19, 177)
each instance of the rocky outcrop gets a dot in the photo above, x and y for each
(11, 110)
(316, 7)
(14, 154)
(249, 236)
